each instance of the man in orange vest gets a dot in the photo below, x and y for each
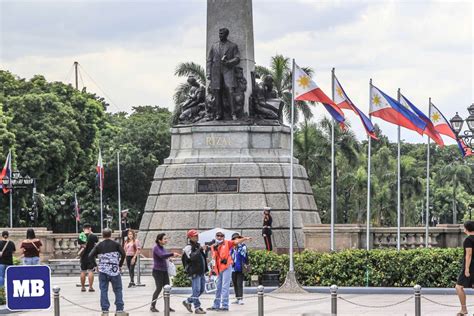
(222, 267)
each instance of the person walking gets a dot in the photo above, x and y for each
(87, 241)
(31, 248)
(7, 248)
(267, 228)
(160, 268)
(195, 265)
(222, 267)
(111, 258)
(466, 277)
(132, 251)
(240, 259)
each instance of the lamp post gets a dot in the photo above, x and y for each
(457, 123)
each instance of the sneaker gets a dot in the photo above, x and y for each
(121, 313)
(235, 302)
(223, 309)
(188, 306)
(131, 284)
(172, 310)
(199, 311)
(240, 302)
(213, 308)
(154, 310)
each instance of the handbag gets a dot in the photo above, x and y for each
(4, 247)
(171, 268)
(247, 268)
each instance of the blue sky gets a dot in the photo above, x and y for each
(131, 48)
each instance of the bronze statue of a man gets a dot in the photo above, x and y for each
(223, 57)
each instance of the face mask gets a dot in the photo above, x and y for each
(219, 242)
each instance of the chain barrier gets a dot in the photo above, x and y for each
(442, 304)
(99, 311)
(299, 300)
(375, 306)
(208, 298)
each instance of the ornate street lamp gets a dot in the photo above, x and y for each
(457, 123)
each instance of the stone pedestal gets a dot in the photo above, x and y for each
(236, 15)
(246, 167)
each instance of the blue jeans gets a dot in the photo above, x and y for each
(3, 267)
(198, 283)
(116, 281)
(223, 287)
(31, 261)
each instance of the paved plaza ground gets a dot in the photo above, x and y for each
(275, 304)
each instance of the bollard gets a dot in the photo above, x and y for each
(417, 289)
(333, 290)
(139, 274)
(166, 298)
(260, 291)
(56, 290)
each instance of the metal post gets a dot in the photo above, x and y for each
(399, 210)
(260, 290)
(291, 268)
(56, 290)
(333, 180)
(427, 211)
(118, 198)
(75, 75)
(417, 289)
(333, 290)
(139, 274)
(166, 298)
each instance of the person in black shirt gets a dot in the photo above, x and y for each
(466, 277)
(7, 248)
(124, 225)
(87, 241)
(267, 228)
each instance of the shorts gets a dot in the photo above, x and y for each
(465, 281)
(87, 265)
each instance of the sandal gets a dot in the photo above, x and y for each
(91, 290)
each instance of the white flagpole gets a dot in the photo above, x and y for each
(118, 195)
(333, 193)
(10, 184)
(100, 189)
(76, 212)
(291, 166)
(427, 211)
(368, 173)
(398, 185)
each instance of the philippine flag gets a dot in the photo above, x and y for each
(307, 90)
(388, 109)
(100, 171)
(6, 172)
(440, 123)
(430, 129)
(343, 102)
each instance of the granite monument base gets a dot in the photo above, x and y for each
(223, 176)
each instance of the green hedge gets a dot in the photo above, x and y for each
(427, 267)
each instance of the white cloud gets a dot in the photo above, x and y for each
(425, 48)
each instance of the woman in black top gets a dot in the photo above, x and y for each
(267, 228)
(7, 248)
(465, 278)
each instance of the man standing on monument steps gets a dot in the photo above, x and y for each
(222, 59)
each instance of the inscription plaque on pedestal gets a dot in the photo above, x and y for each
(217, 185)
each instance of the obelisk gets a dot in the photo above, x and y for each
(236, 15)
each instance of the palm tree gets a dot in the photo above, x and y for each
(280, 70)
(181, 92)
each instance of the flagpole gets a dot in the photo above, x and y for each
(368, 174)
(291, 166)
(427, 211)
(101, 187)
(10, 183)
(398, 184)
(76, 209)
(333, 197)
(118, 195)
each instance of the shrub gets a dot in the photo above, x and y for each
(2, 296)
(437, 267)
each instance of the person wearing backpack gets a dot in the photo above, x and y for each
(241, 261)
(195, 264)
(466, 276)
